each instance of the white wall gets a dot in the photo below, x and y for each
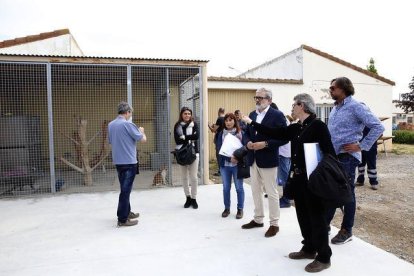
(288, 66)
(319, 71)
(63, 45)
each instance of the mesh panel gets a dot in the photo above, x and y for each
(24, 142)
(83, 100)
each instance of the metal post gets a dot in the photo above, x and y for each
(167, 86)
(50, 124)
(129, 84)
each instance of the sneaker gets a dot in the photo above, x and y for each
(301, 255)
(374, 187)
(272, 231)
(128, 222)
(225, 213)
(251, 224)
(239, 213)
(133, 215)
(342, 237)
(194, 203)
(359, 184)
(317, 266)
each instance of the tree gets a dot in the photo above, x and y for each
(371, 66)
(406, 101)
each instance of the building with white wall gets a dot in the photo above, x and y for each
(59, 42)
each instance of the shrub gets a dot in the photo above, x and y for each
(403, 137)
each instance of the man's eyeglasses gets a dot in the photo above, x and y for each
(258, 98)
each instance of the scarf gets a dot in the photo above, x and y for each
(188, 131)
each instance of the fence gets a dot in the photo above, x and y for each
(54, 118)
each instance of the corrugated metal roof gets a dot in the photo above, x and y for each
(96, 58)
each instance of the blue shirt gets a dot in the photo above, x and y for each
(123, 136)
(346, 123)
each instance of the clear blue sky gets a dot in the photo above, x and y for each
(239, 34)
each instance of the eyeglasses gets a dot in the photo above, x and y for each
(293, 105)
(258, 98)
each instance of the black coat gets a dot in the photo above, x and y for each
(330, 182)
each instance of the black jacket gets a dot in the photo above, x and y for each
(330, 182)
(193, 137)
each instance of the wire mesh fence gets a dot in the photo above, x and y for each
(54, 120)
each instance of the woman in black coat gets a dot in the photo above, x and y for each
(310, 210)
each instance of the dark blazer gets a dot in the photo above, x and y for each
(267, 157)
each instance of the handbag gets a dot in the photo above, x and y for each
(243, 169)
(185, 155)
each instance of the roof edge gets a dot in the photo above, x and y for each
(347, 64)
(32, 38)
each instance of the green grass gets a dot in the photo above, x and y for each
(402, 148)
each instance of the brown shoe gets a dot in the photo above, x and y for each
(251, 225)
(239, 214)
(225, 213)
(127, 223)
(317, 266)
(301, 255)
(272, 231)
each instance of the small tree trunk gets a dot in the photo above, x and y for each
(87, 171)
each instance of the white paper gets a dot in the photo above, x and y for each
(313, 156)
(230, 144)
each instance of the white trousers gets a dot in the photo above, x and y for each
(265, 178)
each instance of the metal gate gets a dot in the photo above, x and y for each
(54, 117)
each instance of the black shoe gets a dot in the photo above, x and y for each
(187, 202)
(194, 203)
(251, 225)
(225, 213)
(239, 214)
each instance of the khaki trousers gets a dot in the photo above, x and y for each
(265, 178)
(189, 176)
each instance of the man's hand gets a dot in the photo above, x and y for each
(246, 119)
(144, 137)
(351, 148)
(256, 146)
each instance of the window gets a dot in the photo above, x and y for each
(322, 112)
(410, 120)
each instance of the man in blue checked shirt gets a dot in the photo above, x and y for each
(346, 123)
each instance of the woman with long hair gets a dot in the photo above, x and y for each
(186, 131)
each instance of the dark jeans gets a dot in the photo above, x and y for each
(311, 214)
(126, 176)
(350, 164)
(227, 173)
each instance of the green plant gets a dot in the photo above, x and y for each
(403, 137)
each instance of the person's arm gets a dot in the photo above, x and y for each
(279, 132)
(324, 138)
(135, 132)
(373, 123)
(144, 137)
(195, 135)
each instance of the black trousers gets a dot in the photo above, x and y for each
(311, 214)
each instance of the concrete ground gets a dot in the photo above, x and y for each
(76, 234)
